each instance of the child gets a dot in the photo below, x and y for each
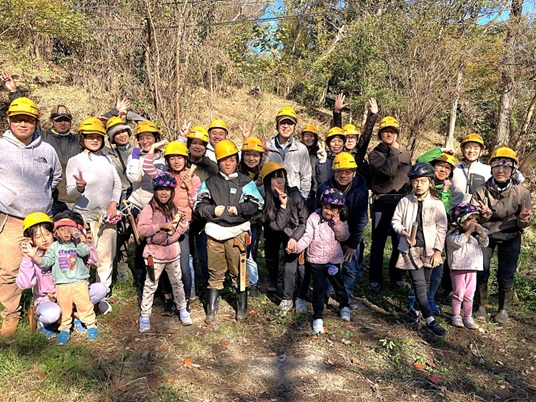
(420, 253)
(325, 230)
(162, 225)
(464, 250)
(70, 275)
(38, 227)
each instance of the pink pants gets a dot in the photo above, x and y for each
(463, 291)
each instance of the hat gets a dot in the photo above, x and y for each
(65, 222)
(116, 129)
(60, 111)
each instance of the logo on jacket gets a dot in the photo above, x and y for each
(41, 159)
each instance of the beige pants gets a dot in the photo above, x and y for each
(223, 256)
(105, 240)
(10, 258)
(77, 294)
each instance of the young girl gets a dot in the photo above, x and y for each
(250, 165)
(70, 275)
(176, 157)
(421, 252)
(162, 225)
(38, 227)
(326, 229)
(285, 217)
(465, 242)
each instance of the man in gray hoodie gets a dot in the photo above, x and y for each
(29, 172)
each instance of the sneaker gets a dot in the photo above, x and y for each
(46, 330)
(345, 314)
(185, 318)
(285, 305)
(104, 307)
(301, 307)
(78, 326)
(63, 338)
(375, 286)
(169, 308)
(433, 306)
(145, 324)
(355, 304)
(411, 317)
(318, 326)
(469, 323)
(92, 333)
(435, 329)
(457, 321)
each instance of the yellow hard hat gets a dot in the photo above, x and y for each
(112, 121)
(225, 148)
(34, 219)
(200, 133)
(270, 167)
(334, 131)
(344, 161)
(474, 137)
(91, 125)
(310, 128)
(286, 112)
(217, 124)
(252, 144)
(176, 148)
(504, 152)
(23, 106)
(450, 159)
(389, 122)
(146, 126)
(350, 129)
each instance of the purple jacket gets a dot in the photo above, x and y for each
(31, 275)
(323, 240)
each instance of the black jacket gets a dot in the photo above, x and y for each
(290, 221)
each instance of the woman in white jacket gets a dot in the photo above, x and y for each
(421, 223)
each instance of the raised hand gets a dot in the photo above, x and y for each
(185, 128)
(80, 182)
(246, 132)
(373, 106)
(484, 210)
(526, 213)
(122, 105)
(9, 82)
(339, 103)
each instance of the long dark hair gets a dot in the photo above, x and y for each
(252, 173)
(271, 199)
(169, 208)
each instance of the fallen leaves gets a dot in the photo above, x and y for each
(188, 362)
(418, 366)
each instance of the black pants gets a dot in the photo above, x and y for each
(508, 255)
(382, 214)
(319, 273)
(420, 280)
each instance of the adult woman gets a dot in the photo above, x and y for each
(506, 210)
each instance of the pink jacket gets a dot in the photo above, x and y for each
(183, 200)
(323, 240)
(31, 275)
(162, 246)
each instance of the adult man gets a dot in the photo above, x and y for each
(470, 173)
(29, 172)
(217, 131)
(290, 153)
(390, 165)
(346, 179)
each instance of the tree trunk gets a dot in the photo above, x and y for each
(507, 75)
(526, 122)
(449, 143)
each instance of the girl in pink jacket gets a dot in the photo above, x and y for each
(325, 230)
(162, 224)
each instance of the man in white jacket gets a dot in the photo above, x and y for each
(30, 170)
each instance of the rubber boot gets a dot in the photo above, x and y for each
(9, 326)
(272, 268)
(505, 301)
(212, 305)
(242, 306)
(481, 299)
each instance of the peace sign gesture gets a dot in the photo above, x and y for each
(283, 197)
(526, 213)
(484, 210)
(80, 182)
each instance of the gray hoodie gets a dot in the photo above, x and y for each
(28, 174)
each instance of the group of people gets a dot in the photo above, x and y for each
(72, 200)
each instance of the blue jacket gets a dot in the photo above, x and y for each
(356, 200)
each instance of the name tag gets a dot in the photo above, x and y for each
(233, 190)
